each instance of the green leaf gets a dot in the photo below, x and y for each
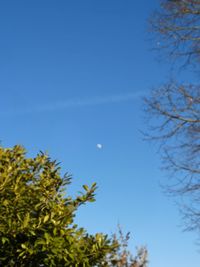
(86, 188)
(46, 218)
(24, 246)
(4, 240)
(26, 220)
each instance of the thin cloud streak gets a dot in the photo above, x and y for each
(74, 103)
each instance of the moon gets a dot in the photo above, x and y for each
(99, 146)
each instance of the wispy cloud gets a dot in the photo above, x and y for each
(74, 103)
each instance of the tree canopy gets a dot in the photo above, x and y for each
(37, 218)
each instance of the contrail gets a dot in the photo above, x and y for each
(73, 103)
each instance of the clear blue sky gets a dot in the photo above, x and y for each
(72, 74)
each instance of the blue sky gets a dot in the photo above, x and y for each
(72, 74)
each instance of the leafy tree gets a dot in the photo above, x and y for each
(174, 108)
(37, 216)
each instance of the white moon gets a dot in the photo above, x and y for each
(99, 146)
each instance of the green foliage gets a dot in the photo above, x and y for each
(36, 216)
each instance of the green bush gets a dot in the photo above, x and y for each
(37, 217)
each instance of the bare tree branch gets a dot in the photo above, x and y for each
(174, 119)
(177, 29)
